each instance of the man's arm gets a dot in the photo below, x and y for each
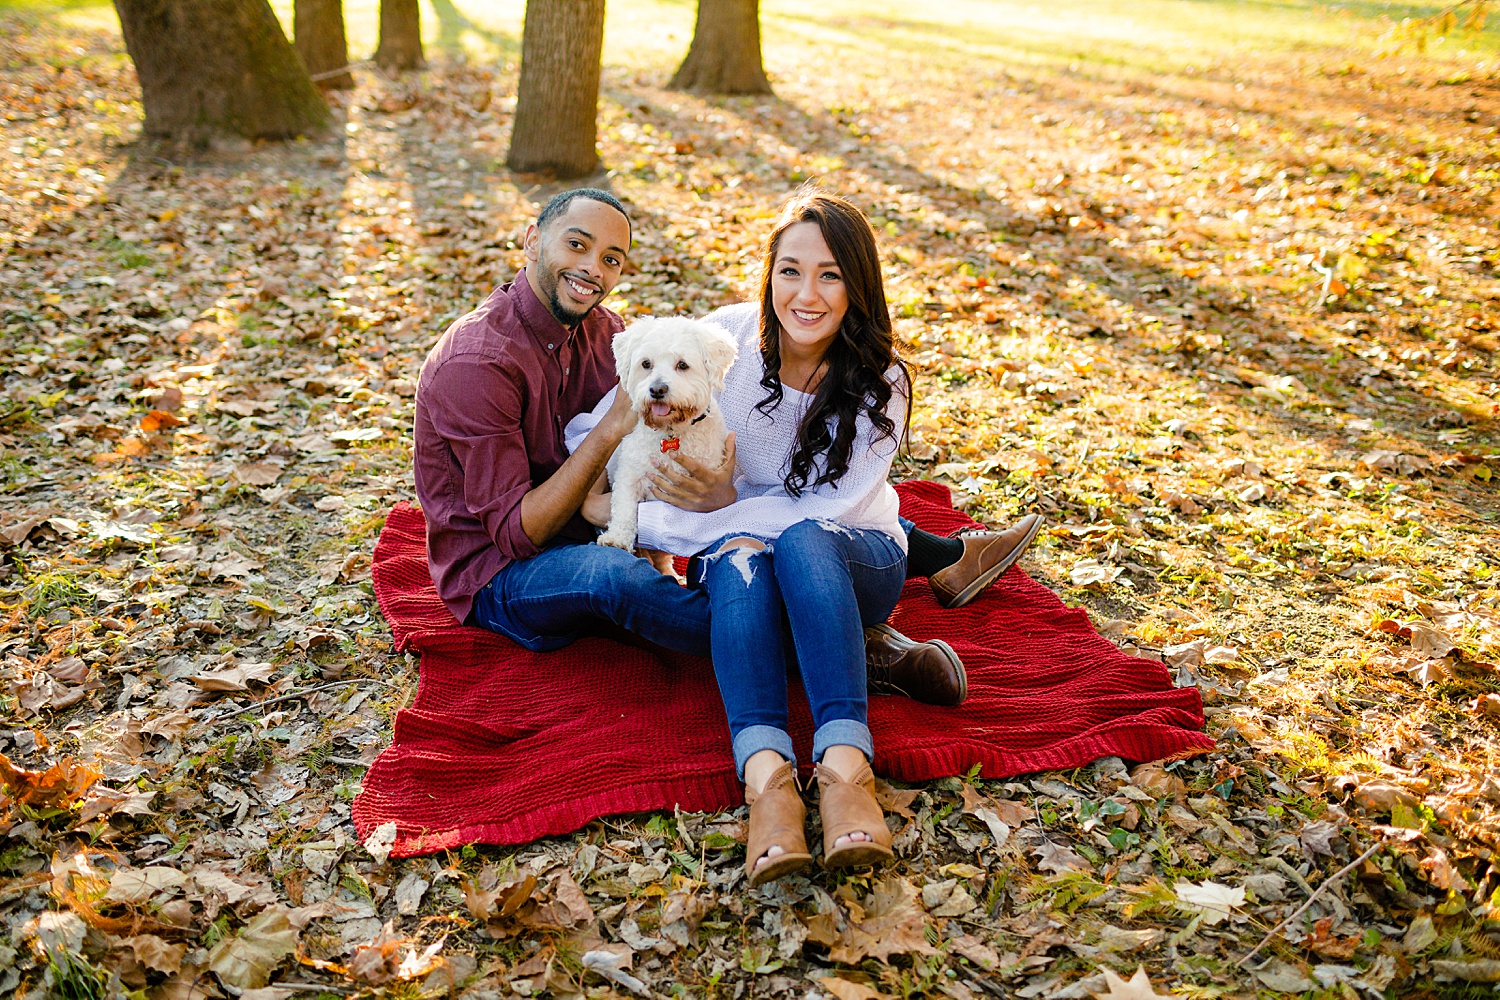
(546, 508)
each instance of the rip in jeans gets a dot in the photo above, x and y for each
(740, 551)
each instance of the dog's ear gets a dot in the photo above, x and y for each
(719, 352)
(626, 343)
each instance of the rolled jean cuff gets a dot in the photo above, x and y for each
(841, 732)
(753, 739)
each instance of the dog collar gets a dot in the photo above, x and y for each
(673, 444)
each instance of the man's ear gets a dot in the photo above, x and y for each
(719, 352)
(531, 242)
(626, 343)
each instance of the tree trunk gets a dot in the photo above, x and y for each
(562, 43)
(400, 36)
(318, 26)
(725, 55)
(210, 67)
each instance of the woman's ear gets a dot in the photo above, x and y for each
(719, 352)
(626, 342)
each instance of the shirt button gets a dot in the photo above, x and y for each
(549, 347)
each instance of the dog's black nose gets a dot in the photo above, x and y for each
(658, 392)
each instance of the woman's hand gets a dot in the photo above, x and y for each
(595, 509)
(700, 487)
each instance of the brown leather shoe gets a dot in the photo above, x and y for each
(850, 807)
(987, 554)
(777, 816)
(929, 672)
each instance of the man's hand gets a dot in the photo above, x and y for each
(621, 416)
(700, 487)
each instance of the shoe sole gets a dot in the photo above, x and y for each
(994, 572)
(858, 856)
(963, 675)
(958, 665)
(778, 867)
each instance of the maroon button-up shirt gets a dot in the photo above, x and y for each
(495, 392)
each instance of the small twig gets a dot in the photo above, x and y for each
(298, 694)
(1303, 908)
(321, 687)
(330, 74)
(284, 984)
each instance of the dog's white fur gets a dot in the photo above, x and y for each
(674, 365)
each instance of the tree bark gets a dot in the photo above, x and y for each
(318, 27)
(400, 36)
(725, 55)
(210, 67)
(562, 43)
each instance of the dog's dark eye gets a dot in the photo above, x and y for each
(682, 366)
(646, 365)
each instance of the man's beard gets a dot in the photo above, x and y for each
(550, 280)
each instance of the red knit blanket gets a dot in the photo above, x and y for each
(503, 746)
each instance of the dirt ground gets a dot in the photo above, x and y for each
(1212, 286)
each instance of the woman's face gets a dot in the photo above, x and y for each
(807, 290)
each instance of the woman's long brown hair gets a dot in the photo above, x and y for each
(859, 356)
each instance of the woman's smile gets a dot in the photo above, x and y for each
(808, 293)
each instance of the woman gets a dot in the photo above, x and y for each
(813, 549)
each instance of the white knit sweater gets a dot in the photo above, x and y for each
(764, 442)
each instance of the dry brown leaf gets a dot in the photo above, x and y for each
(1158, 782)
(246, 959)
(1138, 987)
(891, 921)
(1059, 860)
(257, 473)
(1381, 796)
(156, 953)
(235, 678)
(845, 989)
(59, 786)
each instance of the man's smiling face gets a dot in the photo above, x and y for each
(577, 259)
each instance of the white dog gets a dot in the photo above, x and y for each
(670, 368)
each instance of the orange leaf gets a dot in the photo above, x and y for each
(158, 419)
(59, 786)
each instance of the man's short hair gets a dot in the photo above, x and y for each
(560, 202)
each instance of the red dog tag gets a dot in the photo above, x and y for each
(670, 444)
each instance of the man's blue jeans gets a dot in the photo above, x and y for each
(569, 589)
(821, 583)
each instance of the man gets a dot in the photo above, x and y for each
(506, 544)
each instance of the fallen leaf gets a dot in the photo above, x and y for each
(1088, 572)
(889, 922)
(1213, 899)
(257, 473)
(135, 885)
(380, 841)
(844, 989)
(1059, 860)
(246, 959)
(1138, 987)
(155, 953)
(59, 786)
(235, 678)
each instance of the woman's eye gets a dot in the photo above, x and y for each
(646, 365)
(790, 272)
(682, 366)
(832, 276)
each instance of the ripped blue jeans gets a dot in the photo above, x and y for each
(819, 584)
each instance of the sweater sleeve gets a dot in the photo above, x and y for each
(685, 533)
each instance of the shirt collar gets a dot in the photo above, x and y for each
(536, 317)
